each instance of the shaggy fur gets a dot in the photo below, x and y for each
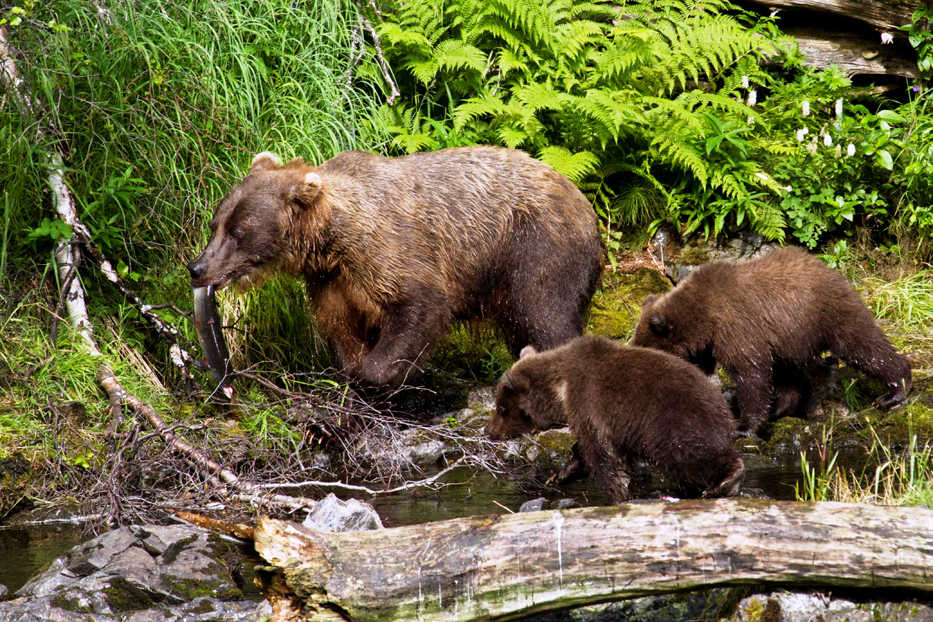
(624, 403)
(766, 321)
(394, 249)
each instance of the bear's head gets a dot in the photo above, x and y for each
(525, 399)
(655, 328)
(253, 232)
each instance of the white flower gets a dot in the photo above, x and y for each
(827, 140)
(850, 150)
(801, 133)
(762, 176)
(752, 97)
(744, 82)
(839, 108)
(805, 108)
(887, 38)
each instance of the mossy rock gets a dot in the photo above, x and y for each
(617, 305)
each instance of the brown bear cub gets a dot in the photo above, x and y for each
(767, 321)
(395, 249)
(624, 404)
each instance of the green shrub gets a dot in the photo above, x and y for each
(645, 97)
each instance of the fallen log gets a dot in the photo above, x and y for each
(883, 14)
(505, 567)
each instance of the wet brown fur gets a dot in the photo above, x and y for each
(624, 403)
(394, 249)
(766, 321)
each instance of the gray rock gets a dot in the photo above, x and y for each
(3, 591)
(143, 573)
(532, 505)
(566, 504)
(482, 398)
(333, 514)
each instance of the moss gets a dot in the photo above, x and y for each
(187, 589)
(617, 306)
(557, 441)
(122, 596)
(74, 605)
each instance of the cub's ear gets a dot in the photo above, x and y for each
(513, 381)
(527, 351)
(649, 300)
(659, 325)
(308, 189)
(264, 161)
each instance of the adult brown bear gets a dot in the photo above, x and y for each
(624, 404)
(767, 321)
(394, 249)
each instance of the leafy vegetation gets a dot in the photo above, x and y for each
(654, 110)
(637, 103)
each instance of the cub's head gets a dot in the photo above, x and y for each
(253, 229)
(525, 399)
(655, 328)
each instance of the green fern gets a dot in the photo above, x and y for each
(574, 166)
(605, 98)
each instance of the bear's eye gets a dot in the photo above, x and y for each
(236, 233)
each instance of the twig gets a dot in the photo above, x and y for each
(380, 58)
(180, 357)
(428, 481)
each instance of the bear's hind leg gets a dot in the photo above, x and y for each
(753, 388)
(870, 352)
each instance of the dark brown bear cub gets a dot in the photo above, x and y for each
(766, 321)
(394, 249)
(622, 404)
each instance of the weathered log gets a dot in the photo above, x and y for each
(883, 14)
(504, 567)
(853, 54)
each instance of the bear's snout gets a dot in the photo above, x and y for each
(197, 267)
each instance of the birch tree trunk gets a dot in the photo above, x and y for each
(503, 567)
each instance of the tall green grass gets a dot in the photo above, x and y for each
(891, 477)
(158, 110)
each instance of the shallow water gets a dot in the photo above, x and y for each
(25, 551)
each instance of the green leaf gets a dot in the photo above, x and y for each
(890, 116)
(885, 159)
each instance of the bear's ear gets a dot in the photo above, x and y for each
(659, 326)
(308, 189)
(513, 381)
(649, 299)
(528, 350)
(264, 161)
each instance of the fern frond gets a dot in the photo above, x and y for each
(487, 104)
(573, 166)
(455, 55)
(392, 34)
(511, 136)
(412, 143)
(538, 96)
(572, 38)
(509, 61)
(530, 17)
(679, 154)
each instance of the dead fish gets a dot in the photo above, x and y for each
(208, 326)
